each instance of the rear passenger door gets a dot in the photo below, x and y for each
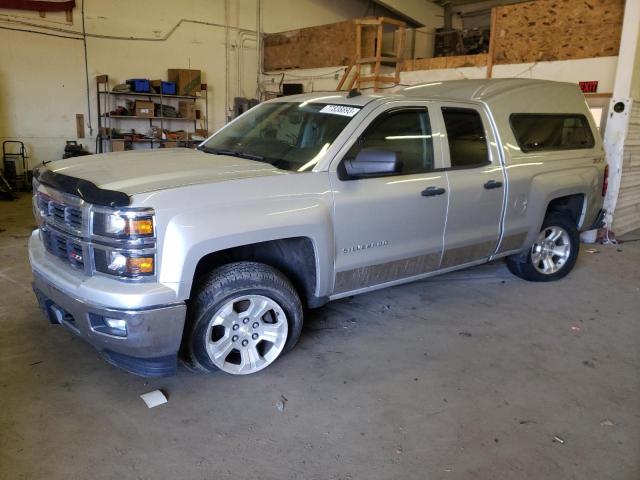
(476, 185)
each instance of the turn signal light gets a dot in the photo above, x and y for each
(123, 264)
(139, 226)
(140, 265)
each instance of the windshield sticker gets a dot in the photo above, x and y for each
(340, 110)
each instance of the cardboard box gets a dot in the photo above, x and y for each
(117, 146)
(156, 85)
(170, 144)
(182, 135)
(187, 109)
(177, 135)
(144, 108)
(187, 81)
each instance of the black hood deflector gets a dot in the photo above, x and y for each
(84, 189)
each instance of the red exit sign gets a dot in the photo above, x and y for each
(589, 87)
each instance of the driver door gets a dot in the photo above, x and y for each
(389, 228)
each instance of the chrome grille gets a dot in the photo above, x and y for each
(63, 247)
(59, 213)
(62, 226)
(66, 232)
(73, 217)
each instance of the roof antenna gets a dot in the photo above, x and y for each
(353, 93)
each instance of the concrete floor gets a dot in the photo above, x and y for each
(466, 376)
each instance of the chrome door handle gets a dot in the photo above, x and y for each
(492, 184)
(432, 191)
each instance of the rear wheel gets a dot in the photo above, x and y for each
(552, 255)
(243, 318)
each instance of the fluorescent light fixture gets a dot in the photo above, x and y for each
(406, 137)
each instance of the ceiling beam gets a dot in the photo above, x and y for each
(457, 3)
(460, 3)
(420, 12)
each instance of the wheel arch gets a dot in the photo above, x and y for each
(567, 192)
(295, 257)
(574, 205)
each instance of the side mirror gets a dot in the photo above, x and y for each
(371, 161)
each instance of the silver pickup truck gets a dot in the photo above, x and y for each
(211, 255)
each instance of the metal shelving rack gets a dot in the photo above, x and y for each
(105, 105)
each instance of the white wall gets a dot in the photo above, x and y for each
(40, 91)
(42, 78)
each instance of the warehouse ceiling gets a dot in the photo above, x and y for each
(430, 13)
(414, 12)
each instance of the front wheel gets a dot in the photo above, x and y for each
(242, 319)
(553, 254)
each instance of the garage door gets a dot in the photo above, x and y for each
(627, 214)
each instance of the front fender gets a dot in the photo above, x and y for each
(191, 235)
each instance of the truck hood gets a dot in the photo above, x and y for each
(143, 171)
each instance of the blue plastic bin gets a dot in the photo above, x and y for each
(168, 88)
(139, 85)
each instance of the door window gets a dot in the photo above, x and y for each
(405, 132)
(467, 138)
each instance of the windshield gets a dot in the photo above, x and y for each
(290, 136)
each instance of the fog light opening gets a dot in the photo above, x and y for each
(117, 325)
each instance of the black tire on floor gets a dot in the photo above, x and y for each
(521, 264)
(236, 280)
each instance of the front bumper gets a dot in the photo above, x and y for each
(153, 335)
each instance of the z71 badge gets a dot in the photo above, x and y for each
(365, 246)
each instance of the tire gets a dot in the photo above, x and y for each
(242, 318)
(535, 264)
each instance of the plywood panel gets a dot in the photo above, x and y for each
(315, 47)
(540, 30)
(436, 63)
(547, 30)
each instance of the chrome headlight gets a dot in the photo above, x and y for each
(124, 242)
(125, 264)
(124, 224)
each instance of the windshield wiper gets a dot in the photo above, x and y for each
(233, 153)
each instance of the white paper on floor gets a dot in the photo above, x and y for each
(153, 399)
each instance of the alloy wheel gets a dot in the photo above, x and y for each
(551, 250)
(246, 334)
